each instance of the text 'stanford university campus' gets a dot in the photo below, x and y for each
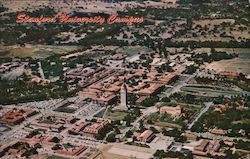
(125, 79)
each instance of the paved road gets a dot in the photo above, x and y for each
(177, 87)
(12, 75)
(145, 113)
(227, 138)
(7, 135)
(202, 111)
(41, 70)
(136, 124)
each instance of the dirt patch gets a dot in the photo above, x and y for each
(121, 151)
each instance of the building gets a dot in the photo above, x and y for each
(123, 106)
(52, 122)
(16, 116)
(95, 128)
(205, 147)
(173, 111)
(218, 132)
(102, 97)
(146, 136)
(202, 145)
(124, 95)
(147, 84)
(72, 152)
(228, 74)
(191, 136)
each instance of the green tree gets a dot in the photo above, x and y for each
(111, 137)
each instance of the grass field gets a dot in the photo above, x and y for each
(100, 113)
(57, 157)
(37, 51)
(167, 124)
(134, 50)
(65, 110)
(239, 64)
(210, 91)
(116, 115)
(188, 111)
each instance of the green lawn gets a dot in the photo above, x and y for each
(100, 114)
(210, 91)
(57, 157)
(116, 115)
(65, 110)
(166, 120)
(162, 120)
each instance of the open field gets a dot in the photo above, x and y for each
(89, 6)
(36, 51)
(118, 151)
(166, 124)
(205, 22)
(115, 115)
(57, 157)
(133, 50)
(215, 30)
(239, 64)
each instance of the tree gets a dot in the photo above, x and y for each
(56, 147)
(129, 134)
(141, 127)
(149, 121)
(160, 154)
(127, 118)
(150, 101)
(55, 139)
(154, 129)
(165, 99)
(111, 137)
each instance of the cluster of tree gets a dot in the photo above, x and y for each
(111, 137)
(176, 133)
(191, 69)
(164, 68)
(170, 154)
(33, 133)
(165, 99)
(29, 151)
(52, 70)
(195, 1)
(207, 44)
(204, 80)
(189, 98)
(138, 144)
(129, 134)
(2, 8)
(242, 83)
(234, 101)
(16, 91)
(150, 101)
(130, 117)
(232, 118)
(214, 56)
(245, 145)
(142, 127)
(106, 129)
(132, 99)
